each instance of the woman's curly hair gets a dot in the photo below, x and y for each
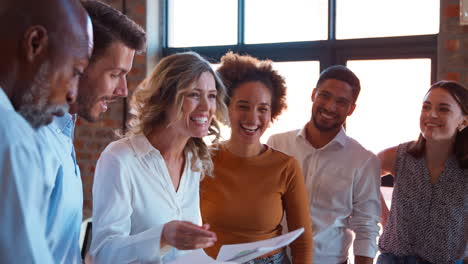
(237, 69)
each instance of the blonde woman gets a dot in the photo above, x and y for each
(146, 186)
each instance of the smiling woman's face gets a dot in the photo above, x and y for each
(441, 115)
(249, 112)
(198, 108)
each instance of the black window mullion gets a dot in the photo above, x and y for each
(387, 48)
(329, 57)
(331, 19)
(240, 22)
(434, 67)
(165, 24)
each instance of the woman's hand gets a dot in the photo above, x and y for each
(185, 235)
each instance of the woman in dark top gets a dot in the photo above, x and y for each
(428, 220)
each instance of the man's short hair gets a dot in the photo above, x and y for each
(341, 73)
(110, 25)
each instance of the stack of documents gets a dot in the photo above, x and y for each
(240, 253)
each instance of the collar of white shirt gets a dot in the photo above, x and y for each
(341, 138)
(142, 146)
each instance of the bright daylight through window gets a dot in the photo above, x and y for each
(390, 47)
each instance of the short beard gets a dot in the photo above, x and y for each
(34, 105)
(85, 104)
(323, 128)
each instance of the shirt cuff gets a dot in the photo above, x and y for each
(365, 248)
(149, 248)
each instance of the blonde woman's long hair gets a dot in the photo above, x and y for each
(168, 84)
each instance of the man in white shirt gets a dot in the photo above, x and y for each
(342, 178)
(116, 38)
(45, 44)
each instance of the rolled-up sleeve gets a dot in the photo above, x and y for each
(366, 208)
(112, 210)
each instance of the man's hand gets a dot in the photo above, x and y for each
(185, 235)
(363, 260)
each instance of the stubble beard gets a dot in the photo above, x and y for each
(321, 128)
(34, 105)
(85, 104)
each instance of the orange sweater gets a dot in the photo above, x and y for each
(245, 200)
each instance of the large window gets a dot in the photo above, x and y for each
(391, 46)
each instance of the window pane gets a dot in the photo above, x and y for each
(388, 107)
(202, 23)
(301, 78)
(378, 18)
(269, 21)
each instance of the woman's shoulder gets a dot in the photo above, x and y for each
(119, 145)
(282, 158)
(393, 151)
(392, 156)
(217, 150)
(119, 149)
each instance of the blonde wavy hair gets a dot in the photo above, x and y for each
(168, 84)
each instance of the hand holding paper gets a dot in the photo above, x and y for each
(240, 253)
(186, 235)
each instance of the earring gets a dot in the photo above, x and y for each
(460, 128)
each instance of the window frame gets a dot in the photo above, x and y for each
(327, 52)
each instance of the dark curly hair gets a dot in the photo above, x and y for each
(237, 69)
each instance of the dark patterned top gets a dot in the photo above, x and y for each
(427, 220)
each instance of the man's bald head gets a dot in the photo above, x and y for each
(45, 47)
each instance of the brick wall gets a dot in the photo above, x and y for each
(92, 138)
(452, 43)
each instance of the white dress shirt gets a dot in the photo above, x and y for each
(22, 189)
(343, 181)
(133, 197)
(65, 198)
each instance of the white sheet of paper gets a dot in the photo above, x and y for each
(240, 253)
(247, 251)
